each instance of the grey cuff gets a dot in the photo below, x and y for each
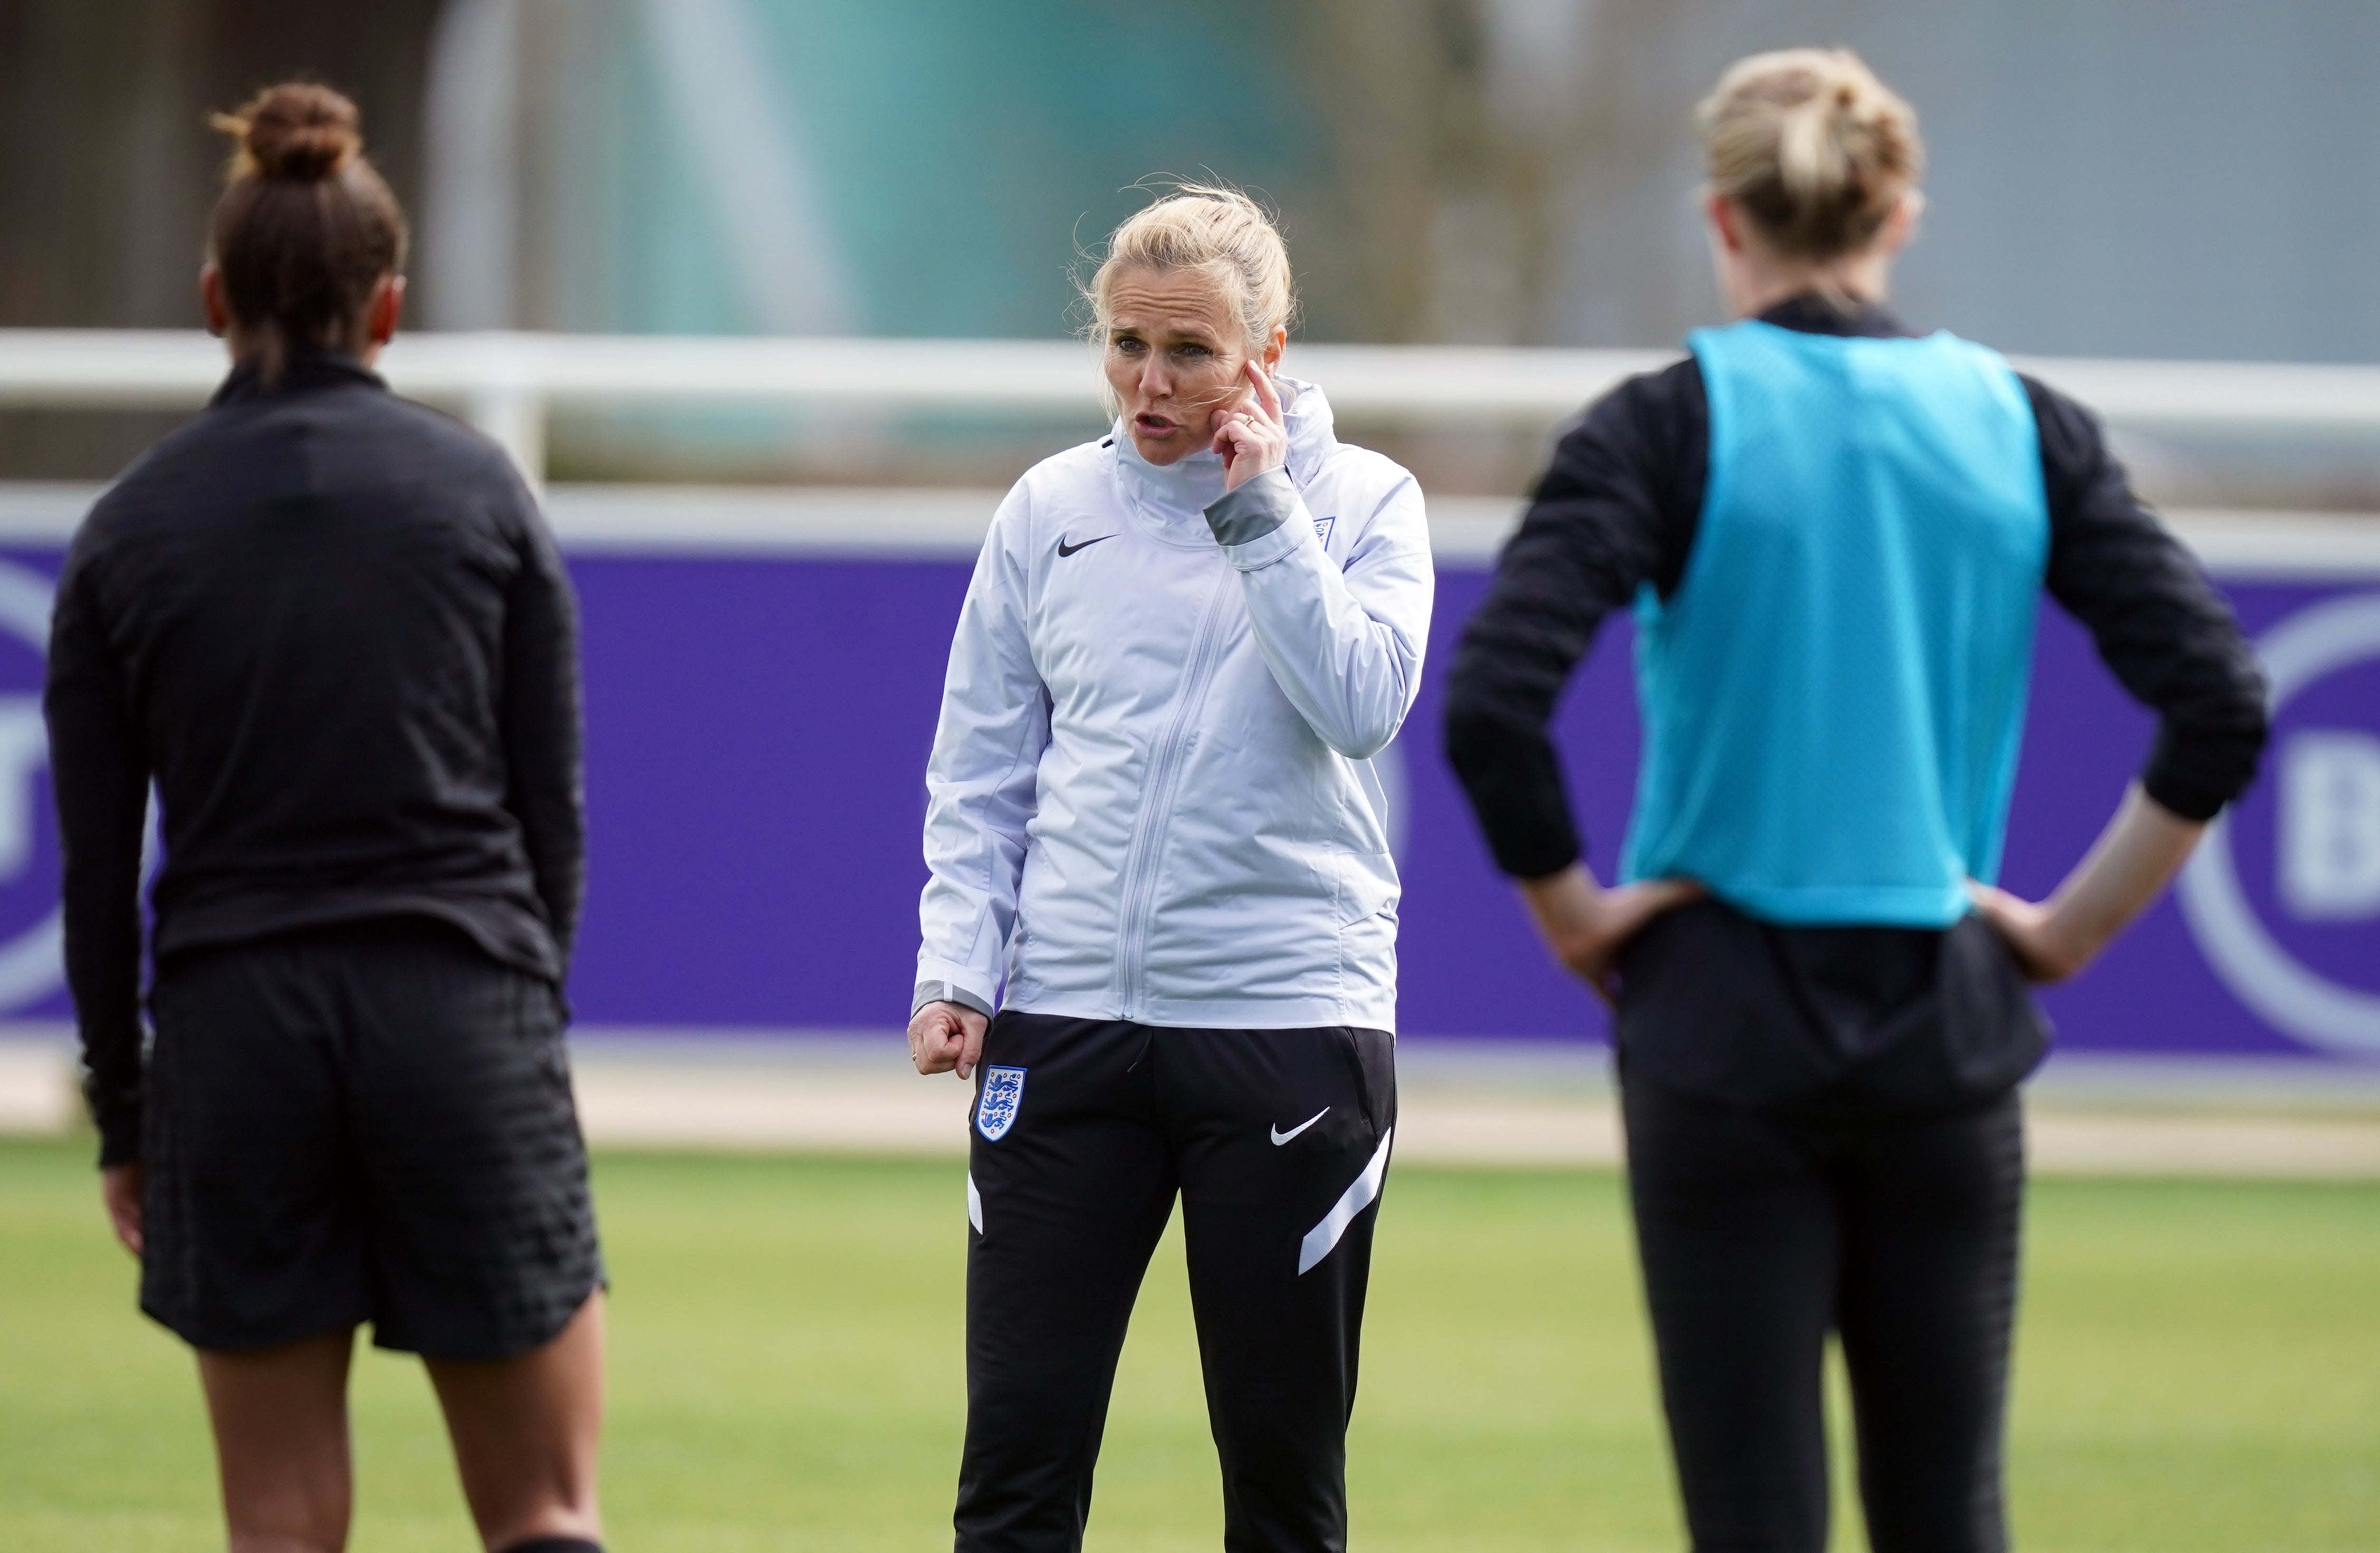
(947, 992)
(1254, 510)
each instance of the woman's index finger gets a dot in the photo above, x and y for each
(1265, 394)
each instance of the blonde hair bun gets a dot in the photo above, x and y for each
(1812, 146)
(1210, 227)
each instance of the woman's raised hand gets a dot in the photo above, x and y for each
(943, 1036)
(1252, 439)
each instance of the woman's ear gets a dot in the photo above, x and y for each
(1725, 221)
(211, 298)
(1900, 224)
(1270, 357)
(386, 306)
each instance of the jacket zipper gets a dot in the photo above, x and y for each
(1139, 897)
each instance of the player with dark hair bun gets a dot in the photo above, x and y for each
(306, 233)
(331, 630)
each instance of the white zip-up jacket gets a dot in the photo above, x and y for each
(1151, 795)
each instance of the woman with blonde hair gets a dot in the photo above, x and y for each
(1160, 927)
(1834, 533)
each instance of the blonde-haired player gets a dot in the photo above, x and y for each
(1160, 852)
(1834, 533)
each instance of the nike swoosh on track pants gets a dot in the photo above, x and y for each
(1276, 1142)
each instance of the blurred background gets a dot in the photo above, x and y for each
(2169, 185)
(2181, 189)
(2163, 178)
(768, 578)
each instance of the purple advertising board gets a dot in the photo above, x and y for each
(758, 727)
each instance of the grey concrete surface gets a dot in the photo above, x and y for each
(1462, 1103)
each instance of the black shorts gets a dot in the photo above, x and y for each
(370, 1122)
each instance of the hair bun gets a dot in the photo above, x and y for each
(295, 130)
(1815, 149)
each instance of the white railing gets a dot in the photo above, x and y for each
(506, 383)
(926, 524)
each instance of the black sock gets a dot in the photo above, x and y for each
(556, 1545)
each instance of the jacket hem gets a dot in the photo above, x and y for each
(505, 930)
(1233, 1014)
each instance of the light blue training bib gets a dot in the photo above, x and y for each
(1833, 694)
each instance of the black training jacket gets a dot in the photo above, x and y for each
(332, 630)
(1617, 508)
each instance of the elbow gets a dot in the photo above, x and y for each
(1358, 737)
(2196, 771)
(1361, 732)
(1364, 717)
(1469, 735)
(1481, 741)
(1490, 720)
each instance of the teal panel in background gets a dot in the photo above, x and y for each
(960, 151)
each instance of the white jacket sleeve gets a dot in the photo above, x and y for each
(980, 782)
(1344, 646)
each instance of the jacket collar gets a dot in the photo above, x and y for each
(1313, 432)
(1178, 494)
(306, 372)
(1172, 495)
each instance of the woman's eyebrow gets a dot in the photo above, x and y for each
(1195, 333)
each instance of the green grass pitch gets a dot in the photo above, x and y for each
(2198, 1368)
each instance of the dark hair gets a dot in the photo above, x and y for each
(306, 227)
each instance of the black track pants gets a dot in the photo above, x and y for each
(1277, 1142)
(1758, 1236)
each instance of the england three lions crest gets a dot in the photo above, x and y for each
(1003, 1091)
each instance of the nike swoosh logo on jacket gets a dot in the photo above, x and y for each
(1151, 794)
